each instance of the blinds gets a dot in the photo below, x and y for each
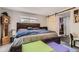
(28, 20)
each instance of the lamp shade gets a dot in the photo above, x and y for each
(13, 32)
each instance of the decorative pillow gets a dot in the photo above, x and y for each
(29, 28)
(35, 28)
(22, 29)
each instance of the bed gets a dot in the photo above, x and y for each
(30, 32)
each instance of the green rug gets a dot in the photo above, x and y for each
(37, 46)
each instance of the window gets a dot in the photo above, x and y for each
(28, 20)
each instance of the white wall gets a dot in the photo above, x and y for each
(52, 23)
(74, 27)
(15, 16)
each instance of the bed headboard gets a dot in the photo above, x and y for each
(26, 25)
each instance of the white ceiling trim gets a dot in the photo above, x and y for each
(39, 10)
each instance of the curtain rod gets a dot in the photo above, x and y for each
(62, 11)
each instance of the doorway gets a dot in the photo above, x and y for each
(64, 24)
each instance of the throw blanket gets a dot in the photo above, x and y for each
(25, 32)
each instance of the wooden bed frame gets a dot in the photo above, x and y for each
(26, 25)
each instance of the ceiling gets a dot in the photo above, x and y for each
(39, 10)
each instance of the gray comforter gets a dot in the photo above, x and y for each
(30, 38)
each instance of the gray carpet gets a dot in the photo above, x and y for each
(5, 48)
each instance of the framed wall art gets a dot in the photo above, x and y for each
(76, 16)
